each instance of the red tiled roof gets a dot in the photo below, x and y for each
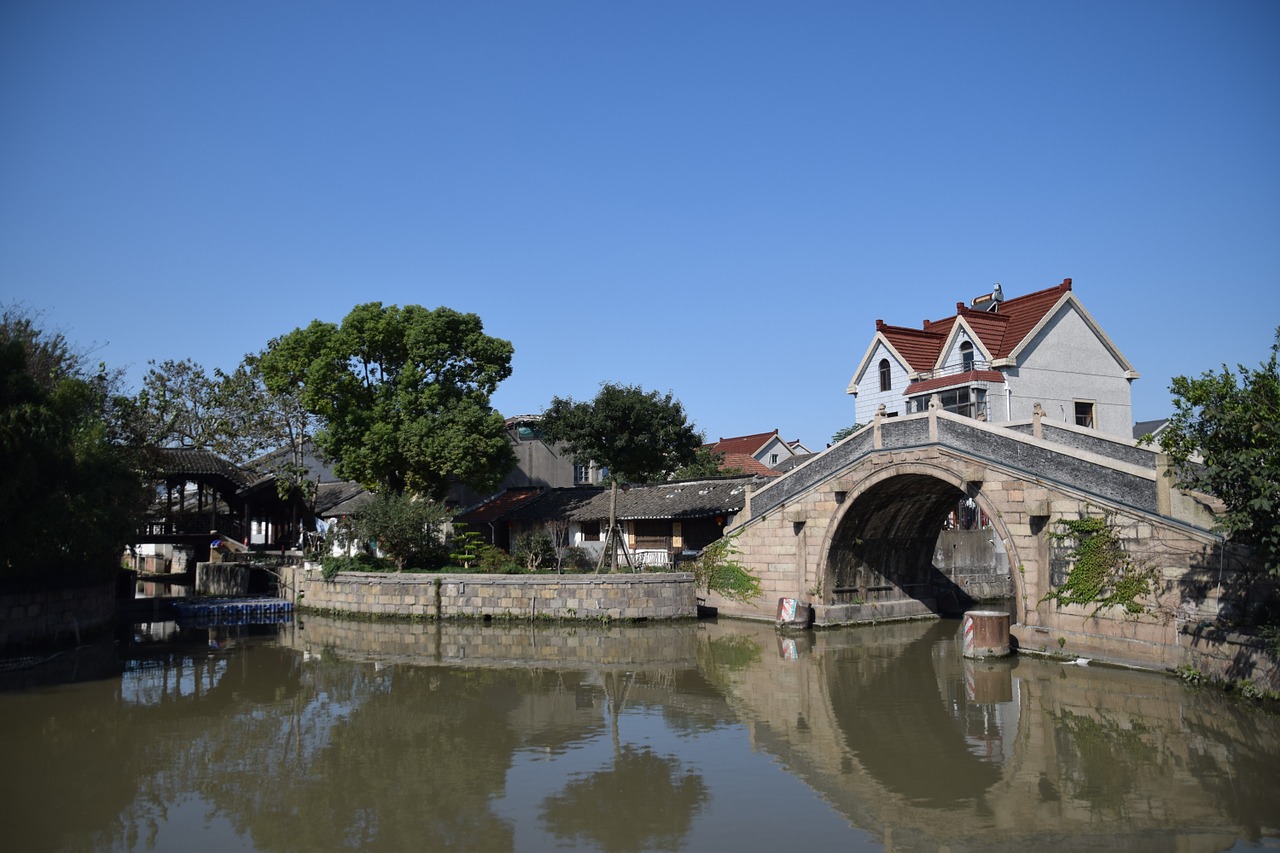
(918, 346)
(498, 506)
(748, 444)
(1000, 331)
(748, 464)
(955, 379)
(1023, 313)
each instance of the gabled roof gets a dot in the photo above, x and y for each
(318, 468)
(340, 497)
(1153, 428)
(685, 498)
(748, 464)
(920, 347)
(1001, 332)
(577, 503)
(748, 444)
(700, 498)
(497, 506)
(169, 463)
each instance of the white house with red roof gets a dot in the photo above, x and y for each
(760, 453)
(995, 359)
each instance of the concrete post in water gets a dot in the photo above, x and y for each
(986, 634)
(793, 614)
(988, 682)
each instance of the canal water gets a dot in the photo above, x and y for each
(325, 734)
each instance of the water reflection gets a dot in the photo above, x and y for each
(469, 736)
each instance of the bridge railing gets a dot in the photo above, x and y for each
(1123, 481)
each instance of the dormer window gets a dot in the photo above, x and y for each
(966, 356)
(886, 378)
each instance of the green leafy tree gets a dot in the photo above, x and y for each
(841, 434)
(467, 545)
(231, 414)
(178, 407)
(599, 810)
(279, 429)
(402, 394)
(533, 549)
(407, 528)
(638, 436)
(1232, 424)
(70, 499)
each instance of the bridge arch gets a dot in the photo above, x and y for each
(862, 514)
(880, 543)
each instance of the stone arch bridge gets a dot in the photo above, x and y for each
(855, 533)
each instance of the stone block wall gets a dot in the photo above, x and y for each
(222, 578)
(1229, 656)
(480, 643)
(623, 596)
(55, 615)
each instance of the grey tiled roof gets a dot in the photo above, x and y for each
(318, 468)
(340, 498)
(680, 499)
(1142, 428)
(167, 462)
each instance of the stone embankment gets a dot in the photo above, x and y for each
(620, 646)
(670, 595)
(58, 615)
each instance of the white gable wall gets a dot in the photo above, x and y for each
(953, 360)
(774, 445)
(1067, 361)
(869, 396)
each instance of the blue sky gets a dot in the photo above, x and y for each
(713, 199)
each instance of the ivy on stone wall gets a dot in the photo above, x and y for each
(1102, 573)
(717, 570)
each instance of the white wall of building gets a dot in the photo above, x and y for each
(869, 397)
(1066, 362)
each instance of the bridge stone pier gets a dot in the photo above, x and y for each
(855, 533)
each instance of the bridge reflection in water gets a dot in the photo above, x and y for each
(691, 736)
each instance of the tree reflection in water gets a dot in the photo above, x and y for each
(644, 801)
(471, 737)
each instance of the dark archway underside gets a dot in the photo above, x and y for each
(883, 549)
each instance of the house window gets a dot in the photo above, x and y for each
(970, 402)
(886, 379)
(591, 531)
(1084, 413)
(966, 356)
(652, 533)
(773, 459)
(581, 475)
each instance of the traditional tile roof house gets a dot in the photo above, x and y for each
(202, 498)
(659, 521)
(996, 358)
